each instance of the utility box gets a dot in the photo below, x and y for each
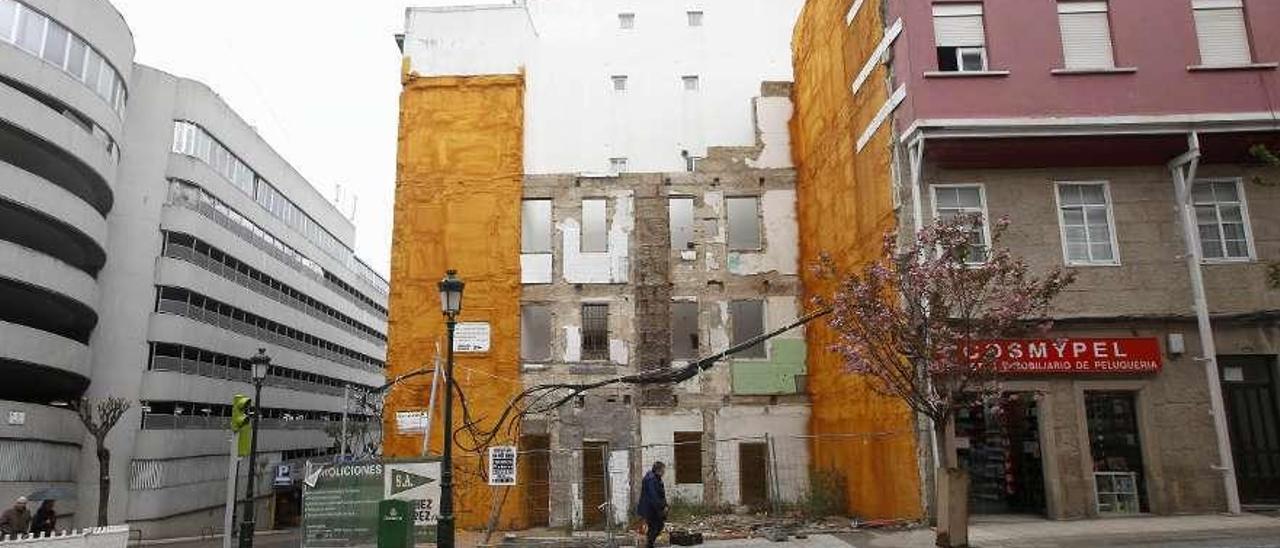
(395, 524)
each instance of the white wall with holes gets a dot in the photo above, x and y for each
(575, 118)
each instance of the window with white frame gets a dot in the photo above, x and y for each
(1221, 31)
(1222, 219)
(1088, 231)
(1086, 34)
(951, 201)
(960, 38)
(626, 20)
(618, 165)
(619, 82)
(695, 18)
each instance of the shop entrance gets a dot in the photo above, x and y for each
(1119, 485)
(1249, 395)
(999, 444)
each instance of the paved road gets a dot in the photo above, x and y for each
(1243, 538)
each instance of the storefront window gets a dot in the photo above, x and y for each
(999, 444)
(1117, 452)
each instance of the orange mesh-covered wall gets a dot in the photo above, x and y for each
(458, 188)
(844, 205)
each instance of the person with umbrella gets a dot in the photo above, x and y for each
(46, 519)
(16, 520)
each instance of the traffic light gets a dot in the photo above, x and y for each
(241, 415)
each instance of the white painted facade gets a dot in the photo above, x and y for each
(570, 50)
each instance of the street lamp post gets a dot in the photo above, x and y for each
(261, 363)
(451, 305)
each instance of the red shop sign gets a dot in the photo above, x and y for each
(1073, 356)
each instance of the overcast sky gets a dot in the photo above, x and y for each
(320, 79)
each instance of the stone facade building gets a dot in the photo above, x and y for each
(1118, 138)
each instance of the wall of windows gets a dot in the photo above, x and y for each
(169, 415)
(189, 248)
(37, 34)
(194, 141)
(186, 194)
(206, 363)
(184, 302)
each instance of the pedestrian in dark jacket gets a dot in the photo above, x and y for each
(15, 521)
(46, 519)
(653, 503)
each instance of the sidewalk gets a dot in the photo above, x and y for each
(1022, 532)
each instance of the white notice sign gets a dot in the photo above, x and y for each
(411, 422)
(471, 337)
(502, 465)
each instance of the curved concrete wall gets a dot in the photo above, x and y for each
(37, 194)
(24, 265)
(54, 129)
(22, 343)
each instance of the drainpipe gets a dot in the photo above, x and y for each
(915, 158)
(1184, 175)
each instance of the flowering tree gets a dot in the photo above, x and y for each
(910, 322)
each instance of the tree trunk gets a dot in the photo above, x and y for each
(952, 491)
(104, 482)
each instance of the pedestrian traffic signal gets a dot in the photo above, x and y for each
(241, 415)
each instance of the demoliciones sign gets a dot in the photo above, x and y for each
(340, 501)
(1073, 356)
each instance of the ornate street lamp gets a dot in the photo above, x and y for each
(451, 305)
(261, 364)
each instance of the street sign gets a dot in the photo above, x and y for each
(471, 337)
(502, 465)
(340, 501)
(282, 476)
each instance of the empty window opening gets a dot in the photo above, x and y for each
(960, 37)
(681, 220)
(684, 330)
(695, 18)
(1086, 34)
(535, 226)
(619, 82)
(535, 332)
(595, 331)
(1222, 32)
(593, 227)
(688, 452)
(744, 223)
(690, 82)
(748, 322)
(626, 20)
(1085, 213)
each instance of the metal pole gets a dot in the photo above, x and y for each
(229, 519)
(346, 404)
(445, 533)
(1184, 175)
(247, 526)
(431, 404)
